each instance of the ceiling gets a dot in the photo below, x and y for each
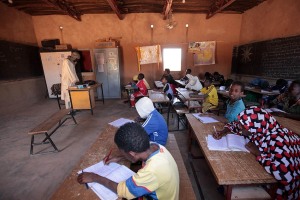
(77, 8)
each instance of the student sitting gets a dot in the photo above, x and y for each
(289, 102)
(142, 90)
(167, 73)
(193, 83)
(167, 89)
(235, 104)
(218, 78)
(158, 179)
(210, 94)
(155, 125)
(185, 78)
(276, 148)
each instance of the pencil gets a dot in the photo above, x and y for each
(215, 129)
(107, 157)
(86, 185)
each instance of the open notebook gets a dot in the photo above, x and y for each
(230, 142)
(114, 172)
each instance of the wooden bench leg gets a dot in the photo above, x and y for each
(52, 143)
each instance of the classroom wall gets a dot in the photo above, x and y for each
(17, 26)
(271, 19)
(135, 31)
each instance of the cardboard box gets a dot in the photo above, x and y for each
(63, 47)
(109, 44)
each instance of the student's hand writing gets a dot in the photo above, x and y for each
(250, 146)
(112, 159)
(86, 177)
(218, 135)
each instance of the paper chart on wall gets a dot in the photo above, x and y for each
(100, 61)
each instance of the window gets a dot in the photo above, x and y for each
(172, 58)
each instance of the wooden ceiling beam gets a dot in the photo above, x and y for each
(167, 8)
(114, 7)
(64, 6)
(218, 6)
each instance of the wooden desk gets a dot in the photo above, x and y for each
(291, 124)
(70, 188)
(181, 82)
(262, 92)
(224, 93)
(158, 97)
(229, 168)
(158, 84)
(184, 95)
(82, 99)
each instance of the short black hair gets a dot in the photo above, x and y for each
(141, 76)
(188, 71)
(293, 84)
(239, 83)
(167, 70)
(209, 79)
(165, 77)
(132, 137)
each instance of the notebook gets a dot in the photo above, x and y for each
(119, 122)
(230, 142)
(204, 119)
(114, 172)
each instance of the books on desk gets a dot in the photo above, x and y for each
(119, 122)
(114, 172)
(204, 119)
(230, 142)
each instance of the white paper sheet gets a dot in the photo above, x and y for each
(114, 172)
(205, 119)
(119, 122)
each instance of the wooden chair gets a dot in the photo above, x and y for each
(58, 118)
(176, 106)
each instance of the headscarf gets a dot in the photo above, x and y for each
(144, 107)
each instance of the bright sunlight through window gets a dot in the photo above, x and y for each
(172, 59)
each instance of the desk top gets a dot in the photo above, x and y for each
(186, 94)
(229, 168)
(263, 92)
(291, 124)
(158, 84)
(70, 188)
(74, 88)
(158, 97)
(181, 82)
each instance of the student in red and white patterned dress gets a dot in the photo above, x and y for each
(142, 90)
(276, 148)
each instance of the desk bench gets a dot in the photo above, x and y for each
(59, 118)
(186, 191)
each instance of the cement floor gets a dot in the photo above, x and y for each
(37, 177)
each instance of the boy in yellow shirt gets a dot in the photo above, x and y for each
(159, 177)
(210, 94)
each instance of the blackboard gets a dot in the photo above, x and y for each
(19, 61)
(277, 58)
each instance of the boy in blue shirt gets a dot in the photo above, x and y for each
(235, 104)
(155, 125)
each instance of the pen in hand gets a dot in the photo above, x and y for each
(86, 185)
